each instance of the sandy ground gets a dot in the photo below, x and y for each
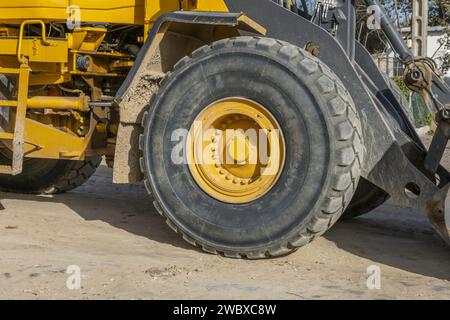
(125, 250)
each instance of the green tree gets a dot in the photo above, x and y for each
(440, 16)
(400, 12)
(445, 58)
(439, 13)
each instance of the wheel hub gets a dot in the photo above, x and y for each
(235, 150)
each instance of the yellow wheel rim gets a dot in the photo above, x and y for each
(235, 150)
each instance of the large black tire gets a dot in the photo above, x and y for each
(368, 197)
(323, 147)
(44, 176)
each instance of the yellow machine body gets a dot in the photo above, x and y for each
(48, 115)
(136, 12)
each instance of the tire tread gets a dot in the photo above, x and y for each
(345, 121)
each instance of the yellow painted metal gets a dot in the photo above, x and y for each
(5, 169)
(43, 78)
(38, 140)
(48, 71)
(43, 39)
(6, 136)
(154, 9)
(112, 11)
(100, 64)
(225, 148)
(111, 55)
(8, 103)
(251, 25)
(107, 11)
(59, 103)
(9, 71)
(121, 64)
(35, 50)
(205, 5)
(87, 38)
(8, 32)
(47, 10)
(38, 60)
(20, 114)
(43, 141)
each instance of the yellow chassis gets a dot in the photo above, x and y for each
(40, 61)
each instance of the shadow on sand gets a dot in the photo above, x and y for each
(396, 237)
(387, 236)
(126, 207)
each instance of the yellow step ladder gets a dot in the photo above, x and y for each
(20, 105)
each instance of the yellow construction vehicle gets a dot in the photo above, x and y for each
(254, 124)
